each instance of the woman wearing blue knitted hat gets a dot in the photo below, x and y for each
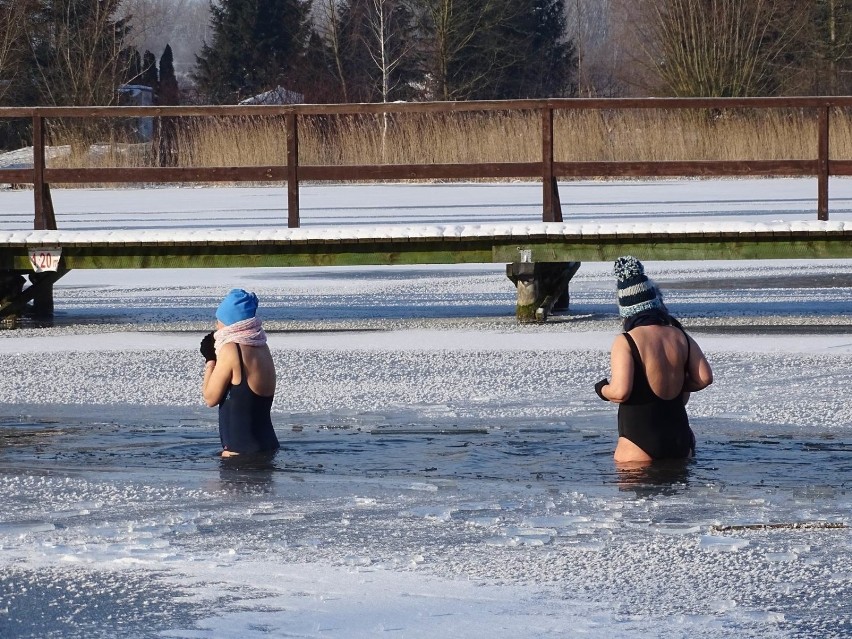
(655, 365)
(239, 377)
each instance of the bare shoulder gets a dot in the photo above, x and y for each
(227, 353)
(620, 341)
(694, 343)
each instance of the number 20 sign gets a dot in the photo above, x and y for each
(45, 259)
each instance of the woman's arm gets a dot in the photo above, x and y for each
(700, 373)
(217, 376)
(621, 377)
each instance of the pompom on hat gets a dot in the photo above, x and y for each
(636, 293)
(237, 306)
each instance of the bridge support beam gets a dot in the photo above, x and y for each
(542, 288)
(14, 297)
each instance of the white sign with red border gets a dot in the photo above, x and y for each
(45, 258)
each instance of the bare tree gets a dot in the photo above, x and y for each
(387, 50)
(824, 49)
(13, 47)
(330, 27)
(386, 47)
(79, 51)
(451, 27)
(593, 27)
(833, 45)
(716, 47)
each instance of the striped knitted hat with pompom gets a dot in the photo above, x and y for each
(636, 293)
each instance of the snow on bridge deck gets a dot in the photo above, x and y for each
(425, 244)
(417, 233)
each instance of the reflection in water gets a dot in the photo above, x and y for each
(247, 473)
(654, 478)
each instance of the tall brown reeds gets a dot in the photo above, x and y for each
(581, 135)
(107, 142)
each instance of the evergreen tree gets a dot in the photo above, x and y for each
(315, 77)
(495, 49)
(540, 60)
(168, 92)
(149, 76)
(256, 46)
(515, 49)
(166, 138)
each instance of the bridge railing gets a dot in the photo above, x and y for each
(547, 169)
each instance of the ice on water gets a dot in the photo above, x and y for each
(444, 472)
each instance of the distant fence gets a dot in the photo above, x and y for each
(547, 169)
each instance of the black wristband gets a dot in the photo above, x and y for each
(599, 388)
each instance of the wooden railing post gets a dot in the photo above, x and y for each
(292, 171)
(44, 215)
(823, 167)
(552, 208)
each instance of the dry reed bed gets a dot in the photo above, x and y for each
(638, 135)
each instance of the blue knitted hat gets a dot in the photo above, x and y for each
(237, 306)
(636, 293)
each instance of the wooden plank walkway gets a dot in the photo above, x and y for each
(443, 244)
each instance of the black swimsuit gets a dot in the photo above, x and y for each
(245, 425)
(658, 426)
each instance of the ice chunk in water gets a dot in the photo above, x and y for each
(781, 556)
(716, 543)
(432, 513)
(522, 536)
(483, 522)
(277, 516)
(431, 488)
(357, 561)
(722, 605)
(676, 528)
(556, 521)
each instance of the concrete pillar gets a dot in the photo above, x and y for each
(42, 294)
(11, 285)
(542, 287)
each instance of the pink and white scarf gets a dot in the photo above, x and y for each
(247, 331)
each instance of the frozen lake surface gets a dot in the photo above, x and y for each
(444, 471)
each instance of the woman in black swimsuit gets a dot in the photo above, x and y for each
(239, 377)
(655, 366)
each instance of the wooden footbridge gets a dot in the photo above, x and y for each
(44, 253)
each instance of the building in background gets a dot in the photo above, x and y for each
(138, 95)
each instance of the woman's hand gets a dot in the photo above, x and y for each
(208, 348)
(599, 388)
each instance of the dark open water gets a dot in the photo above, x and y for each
(77, 485)
(578, 451)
